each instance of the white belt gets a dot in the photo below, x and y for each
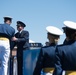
(4, 38)
(70, 72)
(48, 70)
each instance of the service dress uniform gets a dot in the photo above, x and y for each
(46, 57)
(6, 33)
(46, 60)
(66, 56)
(22, 44)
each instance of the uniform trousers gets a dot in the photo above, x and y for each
(20, 63)
(4, 56)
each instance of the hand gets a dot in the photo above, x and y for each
(14, 38)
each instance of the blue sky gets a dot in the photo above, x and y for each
(38, 14)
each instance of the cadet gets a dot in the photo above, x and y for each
(6, 33)
(22, 41)
(66, 53)
(46, 57)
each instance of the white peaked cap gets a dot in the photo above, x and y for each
(7, 17)
(70, 24)
(54, 30)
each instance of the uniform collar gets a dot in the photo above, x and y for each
(70, 42)
(52, 44)
(20, 31)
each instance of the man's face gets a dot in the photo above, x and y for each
(8, 22)
(19, 28)
(52, 38)
(49, 37)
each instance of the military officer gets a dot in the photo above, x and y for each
(6, 33)
(22, 41)
(46, 57)
(66, 53)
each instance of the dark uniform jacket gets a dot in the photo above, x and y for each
(46, 59)
(22, 42)
(65, 57)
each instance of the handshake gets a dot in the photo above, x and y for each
(14, 38)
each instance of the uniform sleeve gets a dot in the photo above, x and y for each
(39, 64)
(24, 38)
(13, 32)
(58, 67)
(12, 45)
